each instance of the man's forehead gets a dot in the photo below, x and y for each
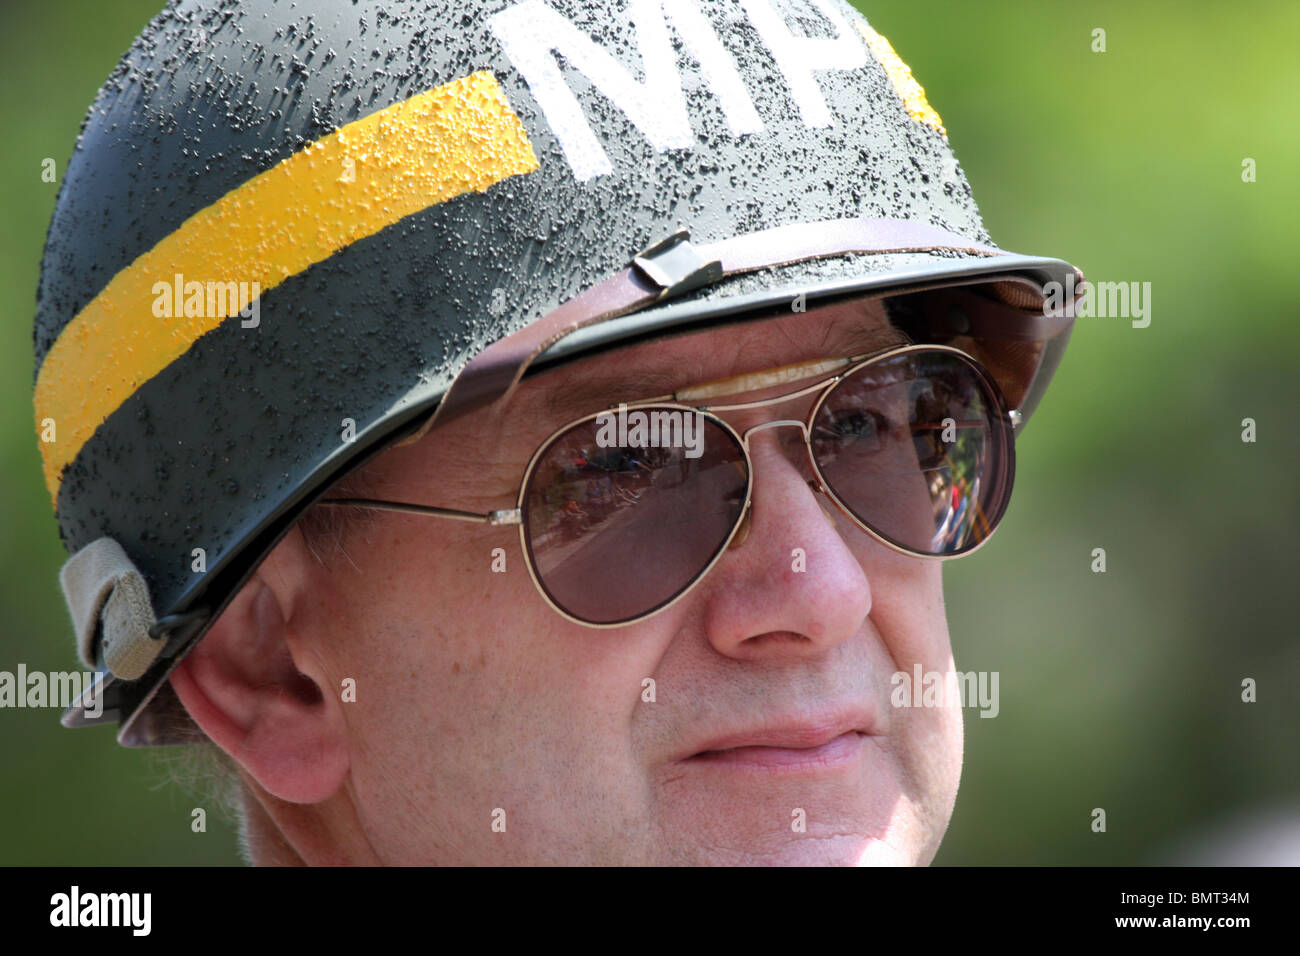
(664, 365)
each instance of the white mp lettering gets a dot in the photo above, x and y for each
(533, 35)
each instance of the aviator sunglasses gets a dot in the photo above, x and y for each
(623, 511)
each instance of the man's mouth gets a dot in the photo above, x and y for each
(801, 748)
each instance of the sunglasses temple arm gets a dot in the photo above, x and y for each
(505, 516)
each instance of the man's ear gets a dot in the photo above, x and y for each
(276, 714)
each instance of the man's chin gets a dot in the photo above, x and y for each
(862, 831)
(843, 813)
(840, 849)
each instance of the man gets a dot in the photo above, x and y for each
(454, 282)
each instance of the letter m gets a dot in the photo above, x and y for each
(69, 687)
(120, 904)
(1115, 297)
(222, 295)
(532, 34)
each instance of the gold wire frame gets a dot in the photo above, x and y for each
(748, 382)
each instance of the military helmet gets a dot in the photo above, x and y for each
(292, 233)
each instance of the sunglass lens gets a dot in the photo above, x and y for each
(619, 523)
(919, 448)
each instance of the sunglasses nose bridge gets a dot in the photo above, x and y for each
(815, 483)
(778, 423)
(785, 423)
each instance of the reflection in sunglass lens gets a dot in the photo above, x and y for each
(918, 447)
(617, 531)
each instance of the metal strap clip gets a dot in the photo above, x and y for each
(676, 266)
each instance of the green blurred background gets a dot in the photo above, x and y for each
(1119, 690)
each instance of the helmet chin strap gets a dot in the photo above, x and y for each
(105, 590)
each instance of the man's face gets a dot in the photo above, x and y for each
(769, 737)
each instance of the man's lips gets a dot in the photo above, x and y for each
(793, 747)
(834, 753)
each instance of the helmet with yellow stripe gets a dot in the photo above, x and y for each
(292, 234)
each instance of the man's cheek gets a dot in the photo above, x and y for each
(929, 742)
(907, 610)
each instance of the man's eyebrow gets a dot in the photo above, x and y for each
(595, 394)
(633, 383)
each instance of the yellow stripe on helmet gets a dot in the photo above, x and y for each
(457, 138)
(900, 77)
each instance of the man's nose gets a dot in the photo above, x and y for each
(792, 587)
